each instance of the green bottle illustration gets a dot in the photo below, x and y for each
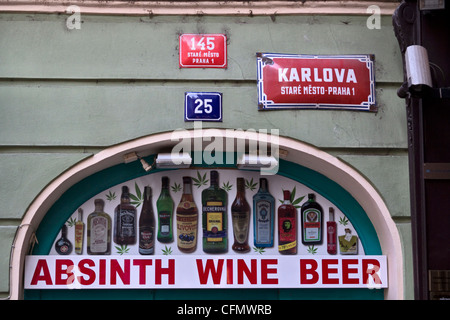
(165, 206)
(214, 217)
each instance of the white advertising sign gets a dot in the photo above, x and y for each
(199, 271)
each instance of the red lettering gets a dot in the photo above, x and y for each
(251, 274)
(86, 271)
(229, 271)
(265, 271)
(102, 272)
(116, 269)
(203, 273)
(41, 266)
(142, 263)
(326, 271)
(170, 271)
(346, 271)
(366, 271)
(311, 271)
(63, 276)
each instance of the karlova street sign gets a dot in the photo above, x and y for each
(289, 81)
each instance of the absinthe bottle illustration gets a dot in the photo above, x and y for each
(312, 220)
(214, 217)
(187, 219)
(165, 206)
(287, 225)
(147, 225)
(240, 216)
(99, 230)
(79, 233)
(263, 215)
(125, 220)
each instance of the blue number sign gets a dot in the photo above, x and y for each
(203, 106)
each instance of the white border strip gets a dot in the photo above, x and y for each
(241, 8)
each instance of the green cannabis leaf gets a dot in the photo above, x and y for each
(200, 180)
(295, 202)
(312, 250)
(343, 221)
(227, 186)
(122, 249)
(167, 251)
(110, 196)
(250, 184)
(71, 222)
(176, 187)
(137, 199)
(259, 250)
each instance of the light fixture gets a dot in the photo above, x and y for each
(417, 69)
(256, 162)
(173, 160)
(162, 161)
(147, 167)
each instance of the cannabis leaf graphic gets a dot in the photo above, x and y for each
(122, 249)
(250, 184)
(137, 199)
(227, 186)
(201, 180)
(295, 202)
(343, 221)
(259, 250)
(167, 251)
(111, 196)
(312, 250)
(176, 187)
(71, 222)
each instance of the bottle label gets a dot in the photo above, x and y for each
(99, 234)
(187, 230)
(214, 211)
(79, 229)
(263, 223)
(127, 223)
(311, 225)
(146, 240)
(287, 246)
(164, 223)
(287, 229)
(240, 226)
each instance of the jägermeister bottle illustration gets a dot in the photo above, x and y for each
(312, 221)
(263, 215)
(214, 217)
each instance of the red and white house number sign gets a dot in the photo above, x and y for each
(287, 81)
(203, 51)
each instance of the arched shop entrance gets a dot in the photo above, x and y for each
(302, 169)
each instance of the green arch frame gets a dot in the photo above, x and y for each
(76, 195)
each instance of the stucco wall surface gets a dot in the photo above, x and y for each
(67, 94)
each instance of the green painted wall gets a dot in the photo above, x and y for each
(67, 94)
